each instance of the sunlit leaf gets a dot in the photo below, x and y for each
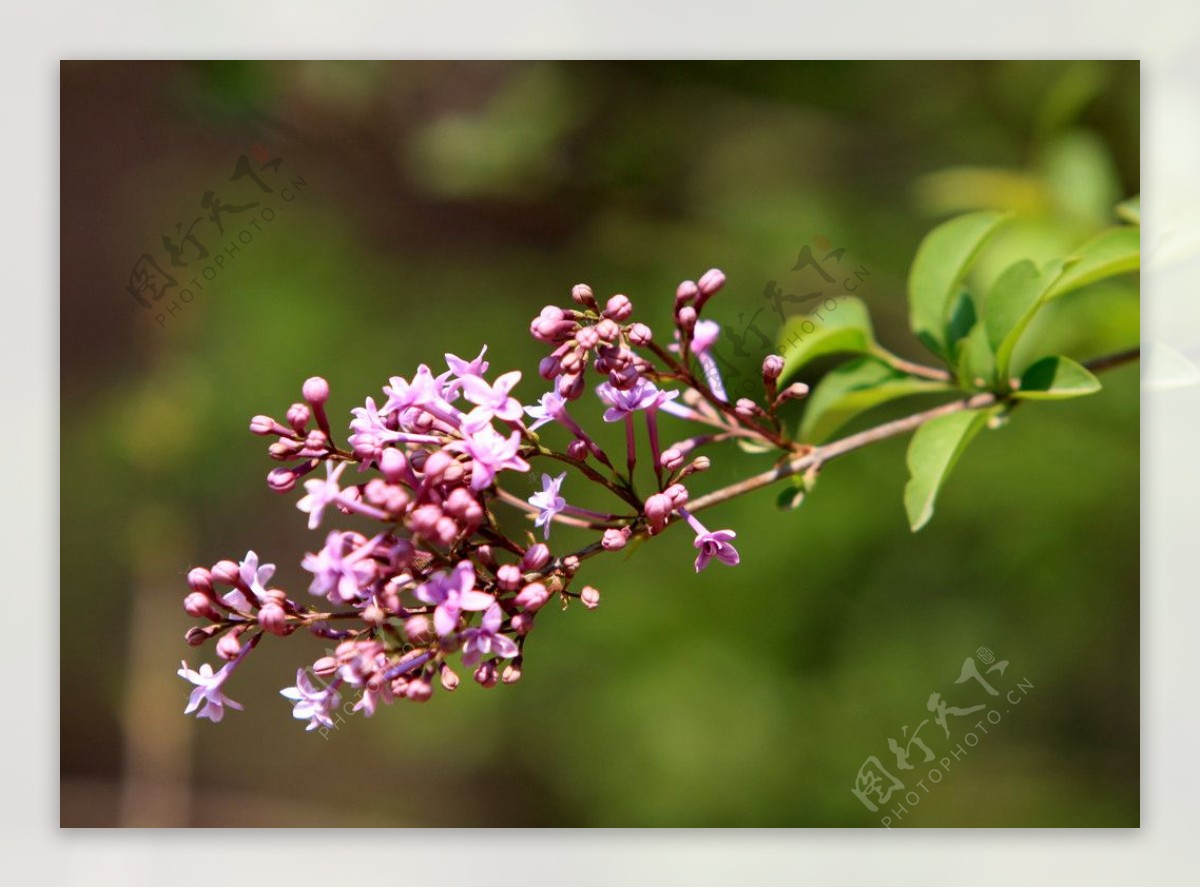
(854, 388)
(847, 328)
(1012, 303)
(1112, 252)
(941, 263)
(932, 453)
(1055, 378)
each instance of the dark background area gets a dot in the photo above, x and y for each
(439, 205)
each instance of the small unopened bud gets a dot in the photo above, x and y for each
(671, 459)
(618, 307)
(577, 450)
(772, 367)
(582, 294)
(325, 667)
(590, 596)
(640, 334)
(533, 596)
(316, 390)
(419, 690)
(508, 577)
(393, 464)
(228, 646)
(677, 493)
(710, 282)
(298, 416)
(449, 677)
(200, 580)
(511, 673)
(281, 480)
(795, 391)
(658, 509)
(196, 636)
(485, 674)
(685, 293)
(746, 409)
(615, 538)
(536, 557)
(522, 623)
(608, 330)
(686, 318)
(372, 614)
(273, 618)
(586, 338)
(699, 464)
(549, 367)
(227, 572)
(265, 425)
(197, 604)
(570, 385)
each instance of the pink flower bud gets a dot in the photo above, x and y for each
(196, 636)
(685, 293)
(511, 674)
(686, 318)
(227, 572)
(200, 580)
(485, 674)
(533, 596)
(228, 647)
(590, 596)
(608, 330)
(615, 538)
(710, 282)
(325, 667)
(745, 408)
(315, 390)
(508, 577)
(549, 367)
(795, 391)
(658, 509)
(772, 367)
(618, 307)
(536, 557)
(522, 623)
(577, 450)
(265, 425)
(582, 294)
(281, 480)
(570, 385)
(419, 690)
(640, 334)
(273, 618)
(449, 678)
(298, 416)
(678, 494)
(586, 338)
(198, 605)
(699, 464)
(393, 464)
(671, 459)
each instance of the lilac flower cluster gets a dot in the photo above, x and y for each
(435, 578)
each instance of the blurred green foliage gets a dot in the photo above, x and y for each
(445, 204)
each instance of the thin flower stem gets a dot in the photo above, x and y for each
(523, 505)
(909, 367)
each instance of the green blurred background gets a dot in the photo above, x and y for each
(442, 205)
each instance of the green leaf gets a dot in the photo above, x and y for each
(791, 497)
(847, 328)
(932, 453)
(853, 388)
(1012, 303)
(1111, 252)
(937, 273)
(1055, 378)
(974, 363)
(1131, 210)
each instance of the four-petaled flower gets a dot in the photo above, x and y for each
(208, 689)
(421, 392)
(460, 368)
(486, 639)
(549, 501)
(490, 452)
(494, 397)
(321, 494)
(549, 407)
(643, 395)
(712, 544)
(452, 593)
(337, 575)
(315, 704)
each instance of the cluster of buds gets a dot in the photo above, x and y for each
(433, 581)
